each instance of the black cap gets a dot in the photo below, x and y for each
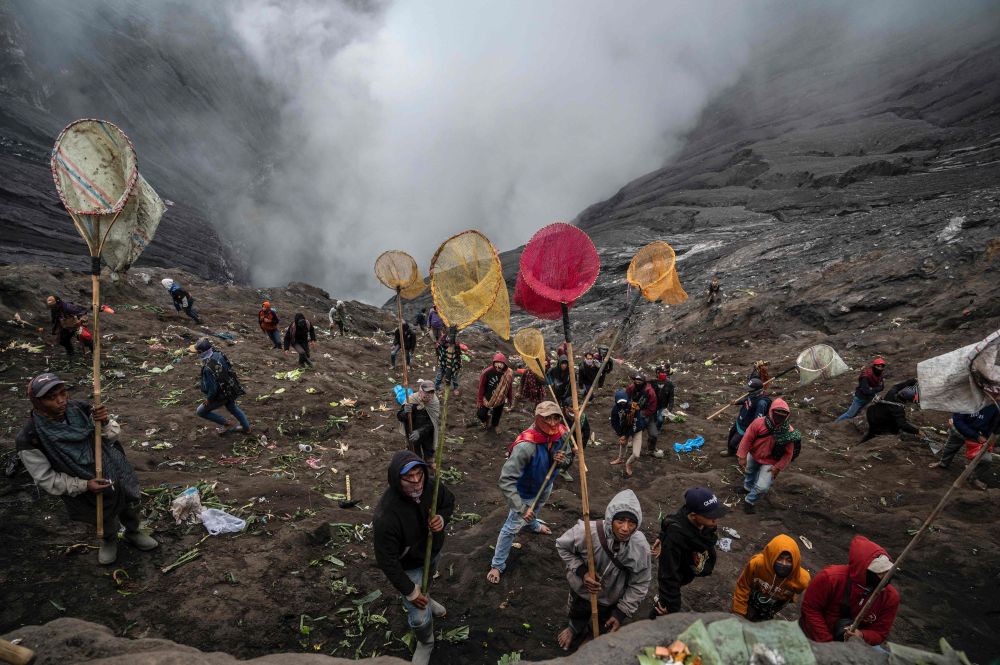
(639, 376)
(702, 501)
(755, 384)
(43, 384)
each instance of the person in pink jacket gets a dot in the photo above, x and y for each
(765, 450)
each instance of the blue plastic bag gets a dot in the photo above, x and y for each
(400, 395)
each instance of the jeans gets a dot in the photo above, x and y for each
(757, 480)
(420, 620)
(508, 531)
(440, 377)
(275, 337)
(189, 310)
(395, 352)
(653, 432)
(856, 405)
(205, 411)
(953, 445)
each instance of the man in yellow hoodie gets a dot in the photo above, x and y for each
(770, 580)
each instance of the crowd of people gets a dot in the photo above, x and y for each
(56, 446)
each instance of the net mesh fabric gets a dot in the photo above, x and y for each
(467, 281)
(817, 362)
(560, 263)
(94, 167)
(414, 288)
(397, 270)
(530, 344)
(534, 304)
(653, 271)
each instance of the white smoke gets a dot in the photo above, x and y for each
(406, 123)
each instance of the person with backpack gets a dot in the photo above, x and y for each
(297, 337)
(871, 382)
(641, 392)
(973, 430)
(622, 567)
(836, 595)
(449, 357)
(423, 409)
(685, 548)
(496, 387)
(338, 317)
(409, 340)
(754, 405)
(602, 353)
(267, 318)
(525, 475)
(769, 445)
(586, 373)
(770, 580)
(221, 388)
(664, 389)
(625, 423)
(888, 416)
(435, 324)
(181, 298)
(68, 321)
(421, 320)
(56, 446)
(401, 527)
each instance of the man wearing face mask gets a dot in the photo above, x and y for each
(587, 373)
(402, 525)
(602, 353)
(496, 386)
(686, 547)
(769, 444)
(641, 392)
(622, 565)
(664, 389)
(558, 376)
(525, 474)
(837, 594)
(770, 580)
(870, 383)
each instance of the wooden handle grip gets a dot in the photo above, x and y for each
(15, 654)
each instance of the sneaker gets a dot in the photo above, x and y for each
(108, 552)
(141, 541)
(658, 454)
(748, 508)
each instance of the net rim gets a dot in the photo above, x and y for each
(415, 272)
(130, 182)
(442, 311)
(545, 290)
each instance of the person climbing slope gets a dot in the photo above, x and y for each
(68, 321)
(424, 408)
(767, 448)
(770, 580)
(496, 386)
(221, 388)
(267, 318)
(754, 405)
(871, 382)
(888, 415)
(297, 337)
(410, 342)
(181, 298)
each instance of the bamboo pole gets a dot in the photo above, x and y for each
(584, 494)
(406, 380)
(922, 530)
(438, 456)
(745, 395)
(95, 283)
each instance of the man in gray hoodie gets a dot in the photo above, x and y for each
(622, 564)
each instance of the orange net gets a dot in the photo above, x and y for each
(653, 270)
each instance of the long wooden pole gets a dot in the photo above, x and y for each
(552, 467)
(745, 395)
(611, 346)
(922, 530)
(584, 495)
(406, 380)
(438, 456)
(95, 283)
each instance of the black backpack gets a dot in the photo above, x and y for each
(229, 386)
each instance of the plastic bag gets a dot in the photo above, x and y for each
(219, 521)
(186, 506)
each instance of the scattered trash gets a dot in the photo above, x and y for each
(165, 445)
(186, 506)
(315, 463)
(305, 447)
(187, 557)
(24, 346)
(685, 406)
(709, 363)
(806, 542)
(219, 521)
(690, 445)
(311, 391)
(730, 531)
(291, 375)
(725, 544)
(347, 401)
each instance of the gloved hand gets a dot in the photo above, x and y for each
(414, 437)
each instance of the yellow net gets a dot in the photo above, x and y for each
(466, 281)
(414, 288)
(531, 345)
(653, 270)
(397, 269)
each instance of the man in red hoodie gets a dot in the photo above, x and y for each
(496, 386)
(766, 448)
(836, 595)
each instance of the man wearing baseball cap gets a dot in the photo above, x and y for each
(525, 475)
(56, 446)
(419, 416)
(686, 547)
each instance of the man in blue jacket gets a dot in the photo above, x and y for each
(221, 388)
(755, 405)
(974, 428)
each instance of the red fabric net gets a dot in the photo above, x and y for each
(534, 304)
(559, 263)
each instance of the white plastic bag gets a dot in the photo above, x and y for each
(947, 383)
(186, 506)
(219, 521)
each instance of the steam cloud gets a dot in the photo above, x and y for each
(412, 121)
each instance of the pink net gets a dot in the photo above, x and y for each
(560, 263)
(534, 304)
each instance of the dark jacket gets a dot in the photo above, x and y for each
(400, 524)
(408, 335)
(300, 332)
(209, 385)
(584, 427)
(623, 419)
(664, 395)
(889, 416)
(587, 374)
(558, 376)
(65, 310)
(869, 385)
(646, 398)
(178, 294)
(751, 408)
(974, 425)
(686, 552)
(422, 425)
(435, 321)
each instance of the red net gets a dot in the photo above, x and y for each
(560, 263)
(534, 304)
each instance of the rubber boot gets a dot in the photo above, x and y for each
(425, 644)
(141, 541)
(108, 553)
